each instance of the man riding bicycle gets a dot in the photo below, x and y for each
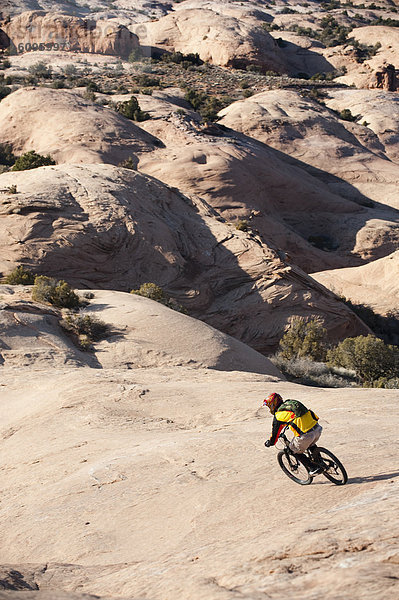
(302, 422)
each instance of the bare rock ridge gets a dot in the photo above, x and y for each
(139, 336)
(218, 38)
(354, 152)
(84, 224)
(73, 33)
(374, 284)
(70, 129)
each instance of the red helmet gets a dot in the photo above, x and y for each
(273, 401)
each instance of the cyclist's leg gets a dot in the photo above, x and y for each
(299, 445)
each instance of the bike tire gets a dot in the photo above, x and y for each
(293, 473)
(336, 472)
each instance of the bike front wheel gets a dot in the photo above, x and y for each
(334, 470)
(294, 469)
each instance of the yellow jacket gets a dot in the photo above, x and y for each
(294, 414)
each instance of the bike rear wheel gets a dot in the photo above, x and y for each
(293, 468)
(334, 470)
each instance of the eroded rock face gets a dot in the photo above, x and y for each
(385, 78)
(217, 38)
(103, 227)
(40, 30)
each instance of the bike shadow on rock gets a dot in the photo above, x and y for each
(370, 478)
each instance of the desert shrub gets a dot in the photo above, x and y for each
(304, 338)
(241, 225)
(309, 372)
(70, 70)
(131, 110)
(387, 22)
(147, 80)
(93, 87)
(270, 26)
(196, 99)
(155, 292)
(20, 276)
(32, 160)
(4, 91)
(129, 163)
(7, 157)
(364, 51)
(384, 382)
(248, 93)
(209, 110)
(331, 34)
(58, 84)
(368, 356)
(185, 60)
(88, 326)
(346, 115)
(41, 70)
(57, 293)
(135, 55)
(207, 106)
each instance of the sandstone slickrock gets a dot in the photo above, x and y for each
(245, 179)
(100, 226)
(83, 35)
(379, 109)
(31, 335)
(307, 130)
(69, 128)
(375, 284)
(217, 38)
(154, 482)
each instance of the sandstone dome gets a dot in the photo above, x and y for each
(69, 128)
(106, 227)
(217, 38)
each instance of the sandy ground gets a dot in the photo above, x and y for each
(154, 483)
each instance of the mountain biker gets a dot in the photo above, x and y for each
(303, 423)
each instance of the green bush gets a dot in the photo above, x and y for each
(57, 293)
(155, 292)
(304, 338)
(129, 163)
(185, 60)
(40, 69)
(131, 110)
(368, 356)
(7, 156)
(4, 91)
(32, 160)
(87, 328)
(20, 276)
(207, 106)
(346, 115)
(147, 80)
(384, 382)
(241, 225)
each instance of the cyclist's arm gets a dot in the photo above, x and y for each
(281, 419)
(277, 428)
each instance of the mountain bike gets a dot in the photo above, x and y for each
(330, 466)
